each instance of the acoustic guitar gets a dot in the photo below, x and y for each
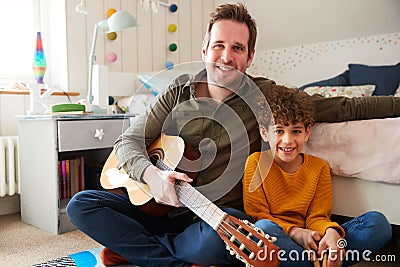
(247, 242)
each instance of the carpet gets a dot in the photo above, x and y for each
(87, 258)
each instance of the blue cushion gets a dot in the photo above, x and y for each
(386, 78)
(339, 80)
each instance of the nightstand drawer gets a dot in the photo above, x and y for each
(89, 134)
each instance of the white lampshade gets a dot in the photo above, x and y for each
(121, 20)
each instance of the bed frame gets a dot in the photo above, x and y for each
(354, 196)
(364, 158)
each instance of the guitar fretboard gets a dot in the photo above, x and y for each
(195, 201)
(199, 204)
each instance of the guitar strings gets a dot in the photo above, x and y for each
(232, 224)
(190, 203)
(198, 203)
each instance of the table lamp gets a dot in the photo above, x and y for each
(118, 21)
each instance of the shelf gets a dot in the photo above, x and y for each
(26, 92)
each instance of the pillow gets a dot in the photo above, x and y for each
(347, 91)
(153, 83)
(339, 80)
(157, 83)
(386, 78)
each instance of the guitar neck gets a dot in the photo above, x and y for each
(195, 201)
(199, 204)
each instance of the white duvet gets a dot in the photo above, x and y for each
(367, 149)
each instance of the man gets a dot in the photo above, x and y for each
(212, 112)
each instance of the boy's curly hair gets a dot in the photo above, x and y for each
(288, 105)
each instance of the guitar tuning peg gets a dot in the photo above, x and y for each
(228, 248)
(271, 238)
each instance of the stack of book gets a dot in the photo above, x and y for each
(71, 173)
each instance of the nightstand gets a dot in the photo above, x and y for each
(44, 142)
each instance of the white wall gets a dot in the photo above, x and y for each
(286, 23)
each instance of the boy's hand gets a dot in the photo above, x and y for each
(306, 238)
(329, 245)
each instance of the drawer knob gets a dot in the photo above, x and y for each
(99, 133)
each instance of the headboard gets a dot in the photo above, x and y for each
(299, 65)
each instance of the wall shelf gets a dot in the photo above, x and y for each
(26, 92)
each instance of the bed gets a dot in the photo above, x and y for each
(364, 157)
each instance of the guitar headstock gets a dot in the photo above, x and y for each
(248, 243)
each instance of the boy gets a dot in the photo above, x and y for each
(294, 201)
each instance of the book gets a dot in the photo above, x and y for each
(81, 173)
(60, 186)
(68, 183)
(64, 180)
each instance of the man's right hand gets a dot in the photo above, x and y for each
(162, 183)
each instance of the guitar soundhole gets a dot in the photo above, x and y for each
(156, 155)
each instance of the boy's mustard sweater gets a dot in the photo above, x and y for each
(302, 199)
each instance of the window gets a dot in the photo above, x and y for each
(21, 20)
(18, 39)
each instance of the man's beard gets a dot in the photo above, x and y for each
(224, 76)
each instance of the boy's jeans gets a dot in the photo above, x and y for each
(369, 231)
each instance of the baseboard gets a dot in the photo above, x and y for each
(10, 205)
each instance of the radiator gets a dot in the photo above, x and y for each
(9, 167)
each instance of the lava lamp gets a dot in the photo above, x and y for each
(39, 61)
